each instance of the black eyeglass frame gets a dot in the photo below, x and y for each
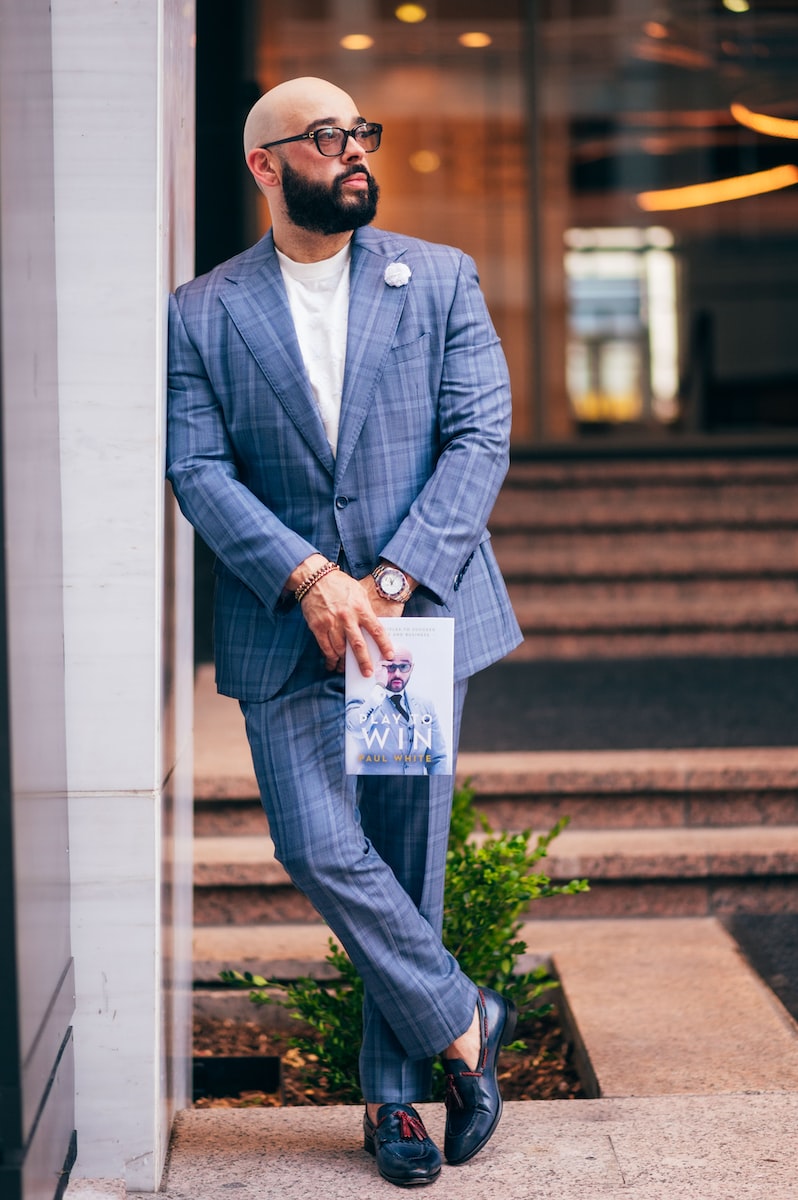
(373, 128)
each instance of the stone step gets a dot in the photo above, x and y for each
(647, 507)
(631, 871)
(580, 619)
(636, 789)
(599, 854)
(668, 642)
(625, 792)
(633, 473)
(668, 1006)
(609, 789)
(619, 605)
(282, 952)
(641, 559)
(567, 556)
(668, 494)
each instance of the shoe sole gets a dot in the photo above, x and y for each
(507, 1035)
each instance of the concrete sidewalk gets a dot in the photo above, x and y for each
(727, 1147)
(705, 1148)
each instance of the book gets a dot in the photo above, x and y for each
(399, 721)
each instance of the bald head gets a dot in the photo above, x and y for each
(290, 107)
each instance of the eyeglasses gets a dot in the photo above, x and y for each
(331, 139)
(403, 667)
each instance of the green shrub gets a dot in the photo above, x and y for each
(490, 881)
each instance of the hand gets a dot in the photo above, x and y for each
(381, 606)
(338, 610)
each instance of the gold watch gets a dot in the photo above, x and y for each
(392, 583)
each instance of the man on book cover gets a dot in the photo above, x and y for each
(396, 731)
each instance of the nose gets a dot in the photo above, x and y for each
(352, 151)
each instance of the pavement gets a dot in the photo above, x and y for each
(659, 1149)
(727, 1147)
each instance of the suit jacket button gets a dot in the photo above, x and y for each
(341, 501)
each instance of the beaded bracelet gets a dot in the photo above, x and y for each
(305, 587)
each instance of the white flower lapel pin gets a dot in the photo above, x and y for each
(397, 274)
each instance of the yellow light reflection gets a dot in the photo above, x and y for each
(425, 161)
(357, 41)
(411, 14)
(781, 127)
(677, 56)
(719, 190)
(475, 40)
(737, 6)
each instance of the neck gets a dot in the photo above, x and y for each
(305, 247)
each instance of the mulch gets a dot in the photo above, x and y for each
(543, 1071)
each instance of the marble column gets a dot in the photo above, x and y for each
(123, 77)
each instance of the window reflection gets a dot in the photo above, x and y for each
(644, 115)
(527, 134)
(622, 357)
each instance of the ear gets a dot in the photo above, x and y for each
(265, 168)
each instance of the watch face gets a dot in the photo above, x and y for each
(391, 582)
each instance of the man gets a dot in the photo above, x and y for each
(393, 731)
(338, 431)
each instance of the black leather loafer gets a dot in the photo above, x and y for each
(473, 1099)
(406, 1154)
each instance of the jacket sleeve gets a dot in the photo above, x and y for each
(244, 533)
(446, 522)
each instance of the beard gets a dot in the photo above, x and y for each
(324, 208)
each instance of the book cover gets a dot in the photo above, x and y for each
(399, 720)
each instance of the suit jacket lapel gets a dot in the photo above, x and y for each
(374, 312)
(258, 306)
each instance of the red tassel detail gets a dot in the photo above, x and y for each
(453, 1097)
(410, 1127)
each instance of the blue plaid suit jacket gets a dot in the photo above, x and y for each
(422, 450)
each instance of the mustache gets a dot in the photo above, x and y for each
(354, 171)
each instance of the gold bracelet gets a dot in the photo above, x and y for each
(318, 574)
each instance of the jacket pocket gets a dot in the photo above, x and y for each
(408, 350)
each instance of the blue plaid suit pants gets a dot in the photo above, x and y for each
(370, 854)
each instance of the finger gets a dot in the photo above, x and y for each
(370, 623)
(361, 653)
(331, 660)
(337, 643)
(332, 647)
(384, 643)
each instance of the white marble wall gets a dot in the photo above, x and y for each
(124, 133)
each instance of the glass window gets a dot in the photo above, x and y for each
(624, 175)
(666, 172)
